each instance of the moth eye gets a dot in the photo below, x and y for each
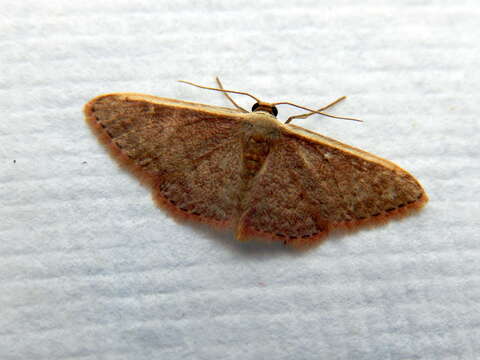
(255, 106)
(274, 111)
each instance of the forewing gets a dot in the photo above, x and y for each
(188, 153)
(310, 184)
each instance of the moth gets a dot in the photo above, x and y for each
(232, 168)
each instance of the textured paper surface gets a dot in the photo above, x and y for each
(90, 269)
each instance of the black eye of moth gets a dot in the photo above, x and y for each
(274, 111)
(254, 106)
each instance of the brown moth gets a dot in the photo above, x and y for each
(231, 168)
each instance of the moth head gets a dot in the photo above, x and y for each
(266, 107)
(270, 107)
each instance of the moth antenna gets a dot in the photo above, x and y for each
(220, 85)
(318, 111)
(223, 90)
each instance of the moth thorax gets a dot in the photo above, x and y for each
(264, 124)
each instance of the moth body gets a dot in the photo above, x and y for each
(247, 170)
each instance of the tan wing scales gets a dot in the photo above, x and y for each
(311, 184)
(229, 168)
(188, 153)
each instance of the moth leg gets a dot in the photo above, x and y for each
(304, 116)
(229, 97)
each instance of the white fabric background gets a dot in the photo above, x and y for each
(91, 269)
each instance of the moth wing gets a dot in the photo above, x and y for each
(189, 153)
(310, 184)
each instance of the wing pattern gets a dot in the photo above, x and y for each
(306, 188)
(268, 180)
(189, 155)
